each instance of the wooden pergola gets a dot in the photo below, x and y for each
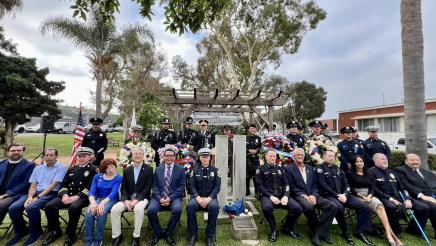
(184, 102)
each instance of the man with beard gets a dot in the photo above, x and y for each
(162, 137)
(15, 173)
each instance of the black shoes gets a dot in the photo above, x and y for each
(135, 241)
(210, 241)
(316, 240)
(51, 237)
(328, 239)
(154, 241)
(191, 241)
(348, 239)
(292, 233)
(170, 241)
(117, 241)
(273, 236)
(364, 239)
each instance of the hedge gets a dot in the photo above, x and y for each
(397, 159)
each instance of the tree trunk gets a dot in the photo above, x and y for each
(125, 125)
(98, 91)
(413, 76)
(9, 133)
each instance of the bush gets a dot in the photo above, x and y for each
(397, 159)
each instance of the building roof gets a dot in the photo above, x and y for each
(382, 106)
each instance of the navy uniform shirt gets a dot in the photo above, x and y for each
(188, 136)
(162, 138)
(347, 150)
(96, 140)
(387, 184)
(372, 146)
(272, 181)
(297, 139)
(205, 182)
(78, 180)
(205, 140)
(332, 180)
(254, 142)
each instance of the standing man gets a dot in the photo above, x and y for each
(73, 194)
(294, 136)
(374, 145)
(14, 177)
(334, 186)
(135, 194)
(388, 188)
(254, 145)
(304, 185)
(45, 182)
(96, 140)
(187, 135)
(348, 147)
(420, 183)
(317, 130)
(206, 138)
(275, 193)
(168, 188)
(204, 186)
(136, 135)
(162, 137)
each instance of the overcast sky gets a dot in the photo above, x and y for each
(355, 53)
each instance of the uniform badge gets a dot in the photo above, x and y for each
(217, 173)
(383, 143)
(279, 172)
(212, 174)
(101, 134)
(356, 146)
(392, 175)
(319, 170)
(86, 174)
(287, 188)
(257, 140)
(71, 174)
(257, 171)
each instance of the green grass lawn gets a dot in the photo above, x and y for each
(224, 232)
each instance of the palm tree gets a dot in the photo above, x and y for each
(101, 42)
(8, 5)
(413, 75)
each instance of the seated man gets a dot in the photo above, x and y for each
(73, 194)
(135, 194)
(275, 193)
(14, 177)
(394, 196)
(44, 187)
(420, 183)
(304, 185)
(168, 188)
(334, 186)
(204, 186)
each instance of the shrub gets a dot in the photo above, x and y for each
(397, 159)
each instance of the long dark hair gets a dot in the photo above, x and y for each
(353, 163)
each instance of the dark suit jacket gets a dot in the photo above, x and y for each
(19, 181)
(177, 185)
(414, 183)
(143, 186)
(296, 182)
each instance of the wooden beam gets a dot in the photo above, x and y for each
(216, 94)
(185, 113)
(270, 117)
(275, 96)
(255, 95)
(257, 111)
(174, 92)
(215, 109)
(195, 93)
(223, 101)
(236, 94)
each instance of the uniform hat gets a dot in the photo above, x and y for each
(324, 125)
(95, 121)
(292, 124)
(347, 129)
(315, 123)
(204, 121)
(300, 126)
(372, 129)
(204, 151)
(84, 151)
(136, 128)
(227, 127)
(252, 125)
(189, 120)
(166, 121)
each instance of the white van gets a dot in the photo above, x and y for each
(64, 127)
(400, 144)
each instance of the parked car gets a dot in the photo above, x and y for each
(107, 128)
(118, 129)
(20, 128)
(64, 127)
(400, 144)
(35, 128)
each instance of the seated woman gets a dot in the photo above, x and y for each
(363, 189)
(102, 196)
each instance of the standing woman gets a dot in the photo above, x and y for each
(102, 196)
(363, 188)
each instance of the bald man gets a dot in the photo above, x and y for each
(420, 183)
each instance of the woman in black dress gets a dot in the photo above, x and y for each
(362, 187)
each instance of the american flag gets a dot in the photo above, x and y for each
(79, 133)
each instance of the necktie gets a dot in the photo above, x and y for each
(337, 181)
(167, 182)
(419, 173)
(203, 188)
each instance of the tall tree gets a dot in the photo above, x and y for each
(412, 41)
(7, 44)
(8, 6)
(25, 92)
(101, 42)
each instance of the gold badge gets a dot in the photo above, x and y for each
(86, 174)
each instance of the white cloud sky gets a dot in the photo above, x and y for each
(355, 54)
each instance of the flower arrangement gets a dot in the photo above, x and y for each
(316, 146)
(125, 153)
(281, 145)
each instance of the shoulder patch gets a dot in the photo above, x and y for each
(319, 170)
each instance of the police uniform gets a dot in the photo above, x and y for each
(317, 123)
(187, 135)
(162, 138)
(271, 181)
(252, 163)
(388, 187)
(205, 139)
(348, 148)
(76, 182)
(374, 145)
(333, 182)
(96, 140)
(203, 182)
(297, 139)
